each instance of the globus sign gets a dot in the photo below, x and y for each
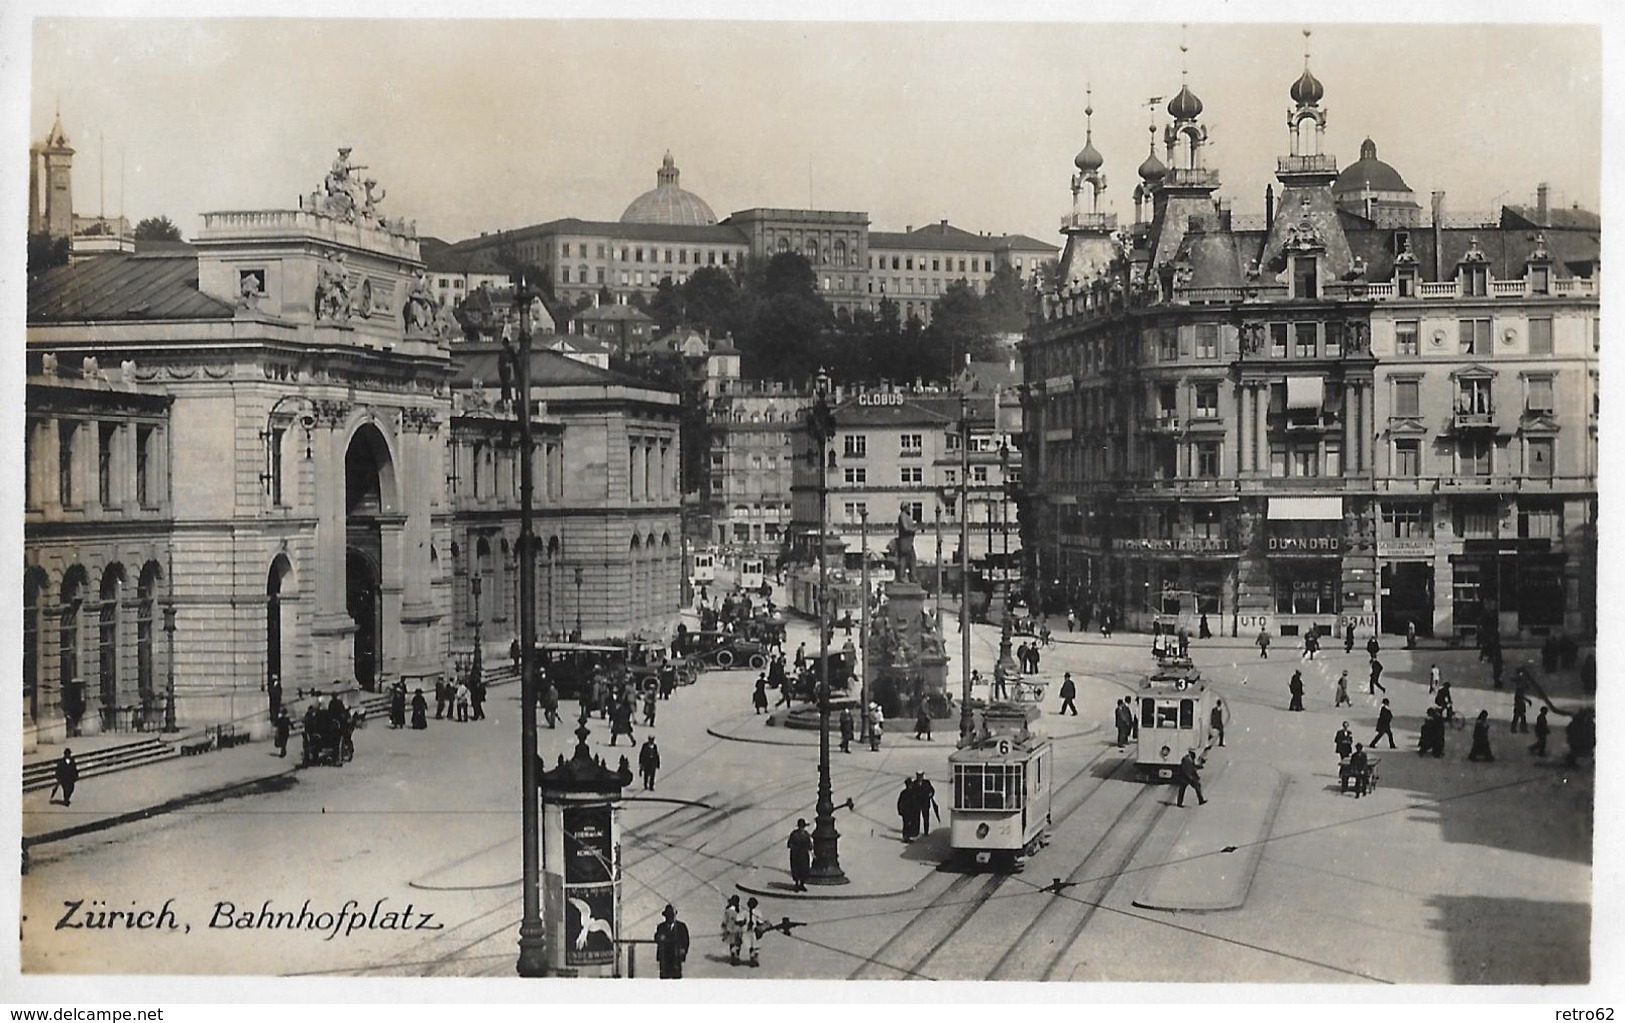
(880, 398)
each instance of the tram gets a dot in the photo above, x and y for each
(1002, 787)
(1173, 706)
(704, 571)
(751, 573)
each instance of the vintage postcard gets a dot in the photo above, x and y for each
(683, 495)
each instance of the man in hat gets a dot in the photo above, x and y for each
(649, 762)
(925, 801)
(671, 944)
(1190, 776)
(1069, 692)
(800, 845)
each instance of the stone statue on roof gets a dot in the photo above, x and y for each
(904, 548)
(341, 189)
(333, 288)
(421, 310)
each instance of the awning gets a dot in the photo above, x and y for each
(1305, 392)
(1318, 509)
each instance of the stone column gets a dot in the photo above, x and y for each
(1351, 454)
(1244, 396)
(1368, 418)
(1261, 409)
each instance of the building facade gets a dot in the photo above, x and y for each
(269, 467)
(914, 266)
(1221, 422)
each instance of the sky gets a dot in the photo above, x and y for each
(487, 124)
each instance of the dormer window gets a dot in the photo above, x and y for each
(1406, 279)
(1305, 277)
(1540, 280)
(1475, 279)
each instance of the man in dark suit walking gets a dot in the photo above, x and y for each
(1385, 725)
(1190, 776)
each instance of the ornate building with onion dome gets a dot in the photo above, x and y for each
(1342, 415)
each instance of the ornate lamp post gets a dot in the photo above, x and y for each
(967, 724)
(474, 585)
(532, 934)
(1006, 661)
(826, 859)
(169, 686)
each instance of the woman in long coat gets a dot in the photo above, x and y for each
(908, 809)
(420, 711)
(1481, 738)
(397, 706)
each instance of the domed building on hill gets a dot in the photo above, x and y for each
(667, 202)
(1375, 190)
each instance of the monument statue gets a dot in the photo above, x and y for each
(333, 289)
(422, 308)
(905, 546)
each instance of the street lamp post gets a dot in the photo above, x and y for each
(169, 686)
(576, 637)
(939, 565)
(826, 858)
(863, 622)
(1006, 662)
(474, 586)
(532, 934)
(967, 724)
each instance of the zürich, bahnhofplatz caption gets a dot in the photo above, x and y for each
(330, 923)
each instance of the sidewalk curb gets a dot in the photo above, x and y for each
(156, 810)
(817, 893)
(1247, 866)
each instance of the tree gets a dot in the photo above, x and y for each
(44, 252)
(667, 307)
(1005, 302)
(157, 229)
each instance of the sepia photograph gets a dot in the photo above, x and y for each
(870, 496)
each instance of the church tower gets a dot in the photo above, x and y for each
(56, 159)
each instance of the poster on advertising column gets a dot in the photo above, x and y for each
(589, 886)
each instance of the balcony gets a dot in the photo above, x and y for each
(1307, 421)
(1320, 163)
(1473, 483)
(1210, 422)
(1464, 421)
(1102, 222)
(1166, 422)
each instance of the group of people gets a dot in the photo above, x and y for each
(460, 700)
(1027, 658)
(1078, 618)
(328, 731)
(915, 804)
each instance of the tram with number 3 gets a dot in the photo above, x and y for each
(1002, 787)
(1172, 709)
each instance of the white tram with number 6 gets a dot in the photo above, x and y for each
(1172, 710)
(1001, 799)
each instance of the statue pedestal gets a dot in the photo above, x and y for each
(910, 666)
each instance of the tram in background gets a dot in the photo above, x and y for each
(703, 572)
(1002, 790)
(751, 573)
(1173, 706)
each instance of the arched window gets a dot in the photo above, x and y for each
(840, 252)
(784, 246)
(112, 594)
(810, 250)
(73, 597)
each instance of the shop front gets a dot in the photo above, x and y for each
(1406, 586)
(1304, 546)
(1515, 587)
(1178, 580)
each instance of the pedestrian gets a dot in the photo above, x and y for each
(1520, 708)
(922, 723)
(1582, 736)
(1433, 678)
(1071, 620)
(1385, 725)
(273, 696)
(1410, 635)
(1216, 721)
(1343, 741)
(420, 710)
(1481, 738)
(1376, 677)
(800, 846)
(550, 704)
(1445, 702)
(925, 801)
(1432, 734)
(1044, 636)
(671, 944)
(461, 700)
(1069, 691)
(1359, 772)
(1372, 646)
(758, 697)
(284, 728)
(1120, 717)
(1190, 776)
(1203, 631)
(649, 708)
(1032, 656)
(67, 776)
(1295, 687)
(397, 705)
(1343, 690)
(513, 654)
(620, 722)
(801, 656)
(755, 927)
(1000, 692)
(648, 763)
(440, 700)
(1311, 643)
(1184, 635)
(848, 729)
(476, 698)
(1263, 642)
(1348, 638)
(733, 928)
(908, 810)
(1108, 619)
(1542, 729)
(877, 726)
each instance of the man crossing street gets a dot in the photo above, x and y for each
(1190, 776)
(1069, 691)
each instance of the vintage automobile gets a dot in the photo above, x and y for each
(647, 658)
(722, 649)
(572, 666)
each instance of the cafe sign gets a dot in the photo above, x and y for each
(1184, 544)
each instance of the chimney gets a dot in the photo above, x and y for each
(1438, 236)
(1269, 204)
(1543, 195)
(908, 229)
(943, 221)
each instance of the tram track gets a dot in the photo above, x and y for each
(924, 934)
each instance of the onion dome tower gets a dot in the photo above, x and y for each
(1088, 235)
(1186, 188)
